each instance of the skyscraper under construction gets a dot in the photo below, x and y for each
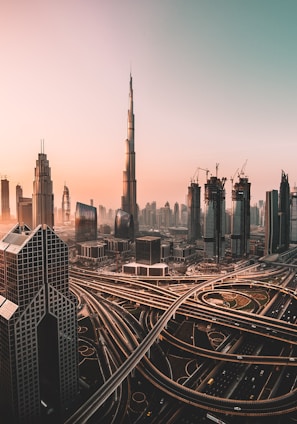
(240, 221)
(129, 204)
(214, 218)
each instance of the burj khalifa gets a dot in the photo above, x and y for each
(129, 204)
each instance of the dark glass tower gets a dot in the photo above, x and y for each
(38, 327)
(240, 222)
(85, 222)
(123, 226)
(194, 226)
(284, 213)
(214, 218)
(129, 204)
(271, 222)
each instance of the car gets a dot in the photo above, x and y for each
(237, 408)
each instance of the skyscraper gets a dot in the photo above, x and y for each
(18, 195)
(214, 218)
(65, 205)
(5, 209)
(129, 204)
(293, 216)
(271, 222)
(284, 213)
(85, 222)
(43, 198)
(38, 326)
(240, 222)
(194, 225)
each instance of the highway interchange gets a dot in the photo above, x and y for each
(223, 344)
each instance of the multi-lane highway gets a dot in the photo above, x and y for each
(251, 372)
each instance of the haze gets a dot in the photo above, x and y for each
(214, 82)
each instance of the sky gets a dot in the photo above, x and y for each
(214, 84)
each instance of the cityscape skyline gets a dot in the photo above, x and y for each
(213, 83)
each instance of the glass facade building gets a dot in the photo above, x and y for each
(38, 326)
(240, 223)
(124, 225)
(148, 250)
(85, 222)
(194, 226)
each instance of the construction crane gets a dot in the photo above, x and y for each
(197, 173)
(232, 178)
(241, 173)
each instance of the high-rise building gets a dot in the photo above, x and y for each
(129, 204)
(293, 216)
(284, 213)
(25, 211)
(214, 218)
(43, 198)
(18, 195)
(38, 327)
(194, 225)
(85, 222)
(271, 222)
(5, 209)
(148, 250)
(240, 223)
(176, 219)
(65, 205)
(123, 226)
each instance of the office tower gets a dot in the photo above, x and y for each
(176, 219)
(284, 213)
(38, 327)
(255, 215)
(123, 225)
(25, 211)
(262, 213)
(42, 198)
(240, 223)
(148, 250)
(271, 222)
(65, 205)
(129, 204)
(214, 218)
(18, 195)
(293, 216)
(166, 216)
(101, 214)
(183, 215)
(194, 226)
(85, 222)
(5, 209)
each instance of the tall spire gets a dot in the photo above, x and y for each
(130, 132)
(129, 182)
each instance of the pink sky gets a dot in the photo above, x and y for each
(214, 82)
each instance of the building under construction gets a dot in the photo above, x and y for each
(240, 222)
(214, 218)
